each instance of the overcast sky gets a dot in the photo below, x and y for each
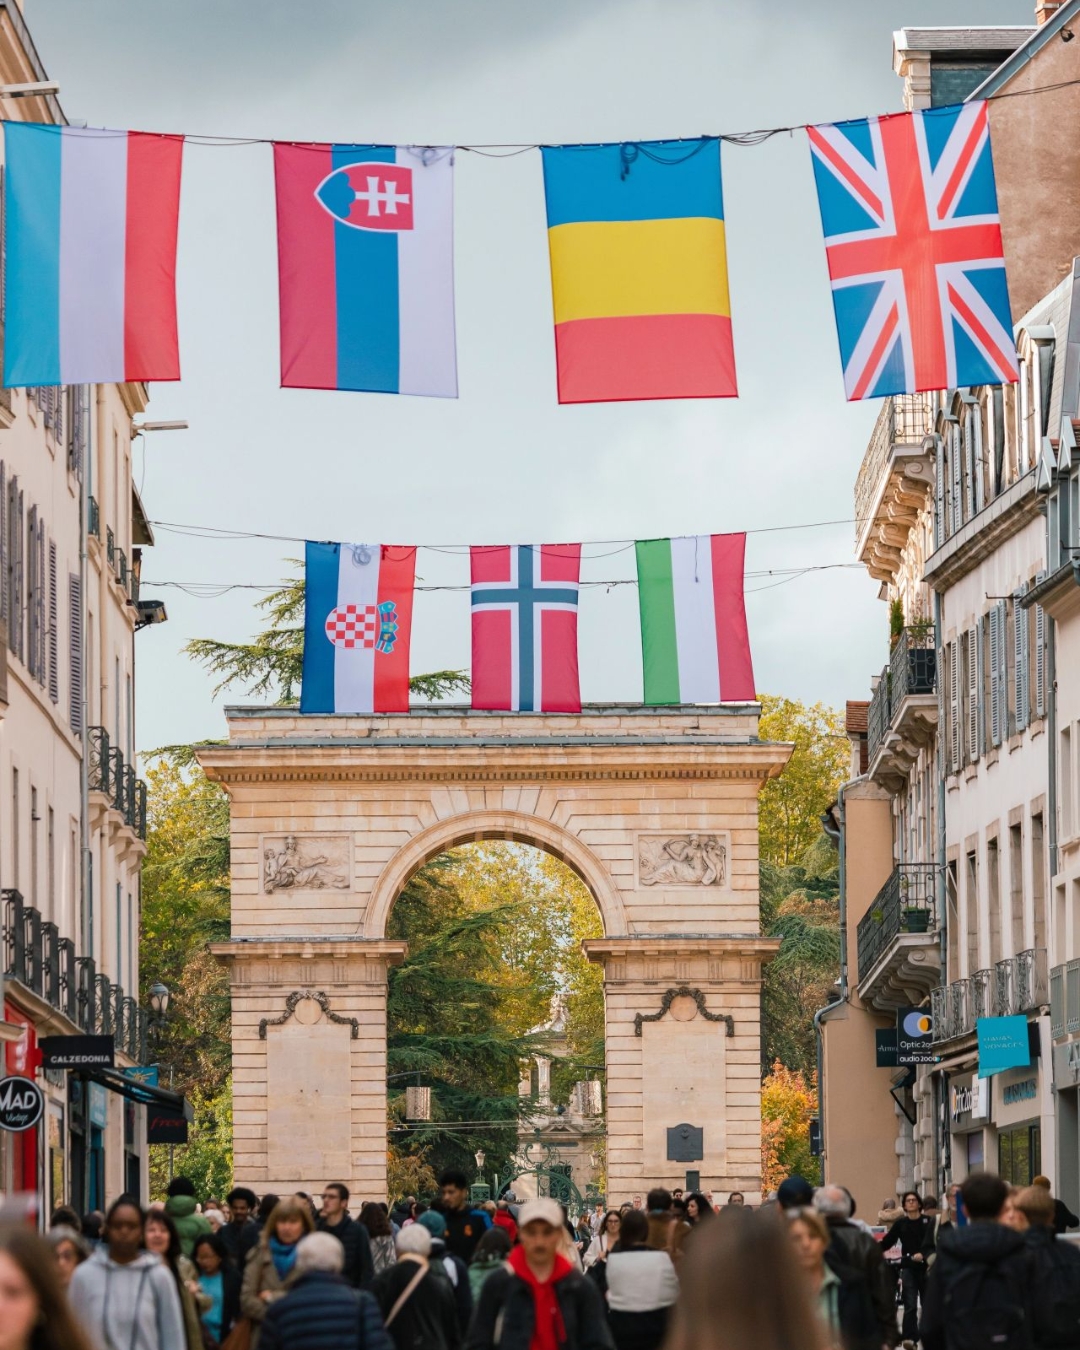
(504, 462)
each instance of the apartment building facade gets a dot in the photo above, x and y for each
(958, 726)
(72, 809)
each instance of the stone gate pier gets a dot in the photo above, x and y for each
(656, 810)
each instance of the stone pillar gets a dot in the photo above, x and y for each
(683, 1031)
(309, 1062)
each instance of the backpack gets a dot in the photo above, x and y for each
(1056, 1296)
(985, 1309)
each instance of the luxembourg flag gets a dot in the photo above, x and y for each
(694, 640)
(90, 222)
(357, 626)
(366, 268)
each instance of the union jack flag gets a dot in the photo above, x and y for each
(913, 239)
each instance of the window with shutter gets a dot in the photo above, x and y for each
(942, 737)
(970, 465)
(974, 747)
(939, 492)
(995, 675)
(1021, 651)
(18, 601)
(39, 604)
(75, 647)
(31, 595)
(1040, 655)
(957, 478)
(955, 732)
(54, 631)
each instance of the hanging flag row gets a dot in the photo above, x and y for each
(524, 600)
(637, 243)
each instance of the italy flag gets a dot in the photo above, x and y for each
(695, 646)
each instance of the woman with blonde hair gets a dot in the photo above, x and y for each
(722, 1304)
(271, 1267)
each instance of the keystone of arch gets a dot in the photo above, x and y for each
(478, 826)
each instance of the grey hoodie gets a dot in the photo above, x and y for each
(132, 1307)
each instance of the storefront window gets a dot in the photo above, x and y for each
(976, 1158)
(1020, 1154)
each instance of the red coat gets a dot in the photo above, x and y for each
(505, 1220)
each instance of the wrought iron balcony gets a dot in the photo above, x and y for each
(110, 546)
(1018, 984)
(903, 708)
(118, 796)
(904, 905)
(1065, 999)
(86, 993)
(122, 568)
(982, 992)
(93, 519)
(104, 1005)
(953, 1007)
(100, 767)
(1030, 980)
(141, 808)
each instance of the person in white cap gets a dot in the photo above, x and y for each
(538, 1301)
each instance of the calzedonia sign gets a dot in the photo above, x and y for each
(77, 1052)
(21, 1104)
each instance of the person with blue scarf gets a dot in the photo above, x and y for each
(271, 1267)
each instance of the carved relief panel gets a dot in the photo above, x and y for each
(305, 862)
(669, 860)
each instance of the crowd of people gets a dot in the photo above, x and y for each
(986, 1270)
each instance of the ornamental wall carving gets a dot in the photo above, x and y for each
(305, 862)
(673, 860)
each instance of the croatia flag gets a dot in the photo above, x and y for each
(366, 268)
(694, 641)
(524, 627)
(90, 221)
(357, 625)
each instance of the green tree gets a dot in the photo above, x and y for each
(791, 805)
(271, 665)
(185, 905)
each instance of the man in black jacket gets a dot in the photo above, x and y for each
(915, 1234)
(465, 1226)
(978, 1291)
(854, 1249)
(1055, 1272)
(353, 1236)
(538, 1286)
(320, 1311)
(415, 1298)
(241, 1233)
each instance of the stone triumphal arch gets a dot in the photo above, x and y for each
(655, 809)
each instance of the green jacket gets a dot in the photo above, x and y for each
(181, 1209)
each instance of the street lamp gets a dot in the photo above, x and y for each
(480, 1157)
(159, 1001)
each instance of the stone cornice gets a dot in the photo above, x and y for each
(743, 945)
(307, 948)
(507, 762)
(984, 534)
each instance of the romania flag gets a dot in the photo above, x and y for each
(639, 271)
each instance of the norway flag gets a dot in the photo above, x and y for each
(524, 627)
(366, 268)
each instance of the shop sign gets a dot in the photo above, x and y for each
(1025, 1091)
(914, 1037)
(163, 1127)
(970, 1098)
(77, 1052)
(21, 1104)
(99, 1106)
(146, 1074)
(1003, 1044)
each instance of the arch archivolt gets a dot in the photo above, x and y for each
(475, 826)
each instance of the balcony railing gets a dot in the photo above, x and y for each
(1065, 999)
(42, 961)
(116, 779)
(110, 546)
(905, 904)
(912, 669)
(141, 806)
(122, 568)
(1018, 984)
(100, 766)
(93, 521)
(903, 420)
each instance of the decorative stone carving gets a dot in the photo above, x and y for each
(297, 997)
(314, 863)
(683, 859)
(683, 991)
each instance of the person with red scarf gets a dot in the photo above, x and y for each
(538, 1301)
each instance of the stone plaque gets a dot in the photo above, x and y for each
(683, 859)
(685, 1143)
(307, 862)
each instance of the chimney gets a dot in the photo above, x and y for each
(1046, 9)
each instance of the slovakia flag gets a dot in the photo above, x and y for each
(524, 627)
(366, 268)
(357, 625)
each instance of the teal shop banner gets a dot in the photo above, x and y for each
(1003, 1044)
